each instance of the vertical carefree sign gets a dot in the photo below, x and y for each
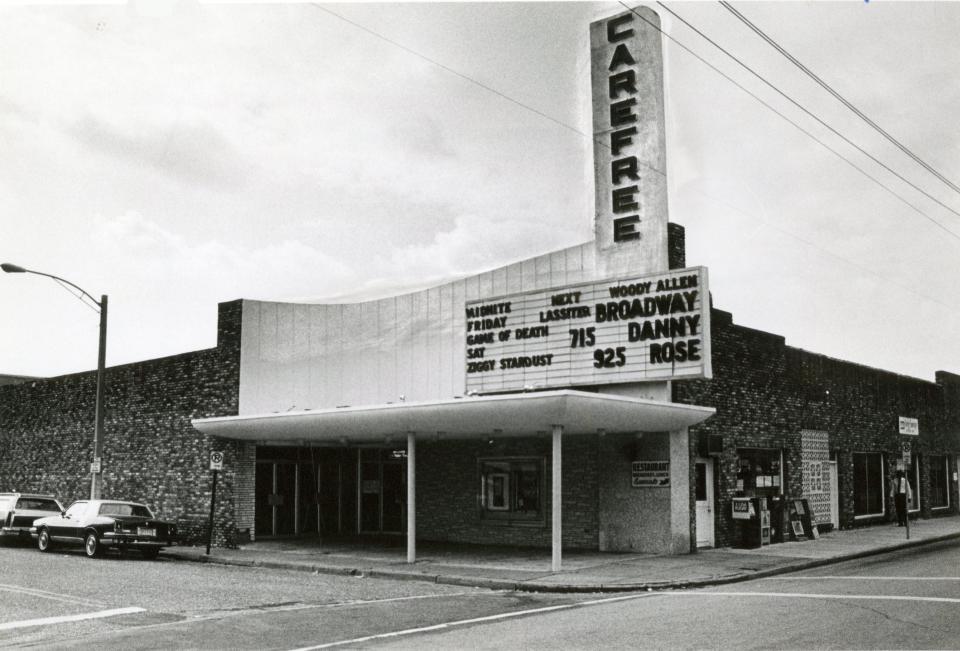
(629, 146)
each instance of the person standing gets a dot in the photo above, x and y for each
(902, 495)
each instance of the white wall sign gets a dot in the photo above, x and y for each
(909, 426)
(644, 328)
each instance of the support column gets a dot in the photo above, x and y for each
(556, 544)
(680, 492)
(411, 497)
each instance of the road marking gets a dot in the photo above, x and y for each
(43, 594)
(802, 595)
(364, 602)
(47, 621)
(476, 620)
(862, 578)
(597, 602)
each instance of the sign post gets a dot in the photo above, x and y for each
(216, 465)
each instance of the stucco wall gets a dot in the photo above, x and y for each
(313, 356)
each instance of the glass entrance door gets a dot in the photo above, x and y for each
(381, 491)
(275, 498)
(329, 491)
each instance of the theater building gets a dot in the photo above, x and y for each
(587, 398)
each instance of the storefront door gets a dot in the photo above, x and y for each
(704, 490)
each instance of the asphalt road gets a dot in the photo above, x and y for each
(904, 600)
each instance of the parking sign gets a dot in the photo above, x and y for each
(216, 460)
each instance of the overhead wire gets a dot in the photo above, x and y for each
(679, 44)
(810, 243)
(792, 122)
(476, 82)
(811, 114)
(779, 48)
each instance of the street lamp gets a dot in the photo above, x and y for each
(95, 468)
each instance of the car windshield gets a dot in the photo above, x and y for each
(136, 510)
(37, 504)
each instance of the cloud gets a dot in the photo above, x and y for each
(146, 255)
(193, 152)
(473, 242)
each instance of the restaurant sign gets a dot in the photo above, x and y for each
(653, 327)
(650, 473)
(909, 426)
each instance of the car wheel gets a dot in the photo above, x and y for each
(149, 553)
(91, 545)
(43, 541)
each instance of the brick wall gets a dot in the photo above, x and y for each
(766, 393)
(151, 452)
(448, 492)
(676, 246)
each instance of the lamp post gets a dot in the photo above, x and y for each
(95, 468)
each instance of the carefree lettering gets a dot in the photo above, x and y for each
(622, 93)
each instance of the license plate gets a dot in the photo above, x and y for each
(146, 532)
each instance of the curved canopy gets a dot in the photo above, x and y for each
(515, 414)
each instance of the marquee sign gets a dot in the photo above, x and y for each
(645, 328)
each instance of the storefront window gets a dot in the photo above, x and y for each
(939, 482)
(759, 472)
(868, 484)
(511, 488)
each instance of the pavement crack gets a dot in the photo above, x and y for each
(889, 617)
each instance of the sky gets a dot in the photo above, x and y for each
(176, 155)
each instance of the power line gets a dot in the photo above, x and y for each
(838, 96)
(795, 125)
(805, 110)
(893, 281)
(581, 133)
(475, 82)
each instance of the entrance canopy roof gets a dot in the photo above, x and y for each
(516, 414)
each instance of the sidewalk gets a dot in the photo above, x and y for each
(529, 570)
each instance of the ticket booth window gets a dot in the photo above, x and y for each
(511, 488)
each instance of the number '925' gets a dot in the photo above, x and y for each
(609, 357)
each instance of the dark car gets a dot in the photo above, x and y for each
(19, 510)
(98, 525)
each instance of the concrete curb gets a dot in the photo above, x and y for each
(535, 586)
